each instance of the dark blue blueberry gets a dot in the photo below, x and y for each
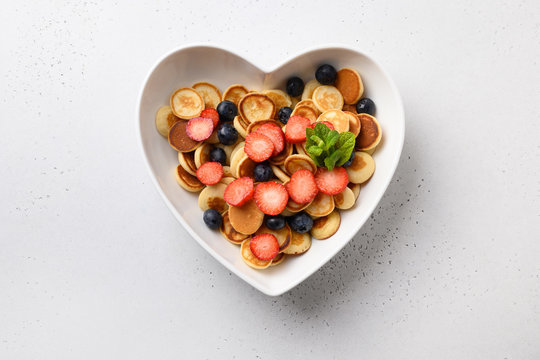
(262, 172)
(300, 222)
(218, 155)
(349, 162)
(212, 218)
(284, 114)
(365, 105)
(227, 110)
(295, 86)
(326, 74)
(227, 134)
(275, 222)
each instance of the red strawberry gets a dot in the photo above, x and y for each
(295, 131)
(271, 197)
(302, 187)
(274, 133)
(199, 128)
(332, 182)
(258, 147)
(210, 173)
(239, 191)
(264, 246)
(211, 114)
(327, 123)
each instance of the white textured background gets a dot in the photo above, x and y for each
(93, 265)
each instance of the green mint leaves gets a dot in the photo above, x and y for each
(328, 148)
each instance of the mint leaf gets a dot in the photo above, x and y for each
(328, 148)
(314, 151)
(331, 160)
(345, 145)
(321, 130)
(331, 139)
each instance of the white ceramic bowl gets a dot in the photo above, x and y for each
(190, 64)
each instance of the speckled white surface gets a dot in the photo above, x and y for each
(93, 265)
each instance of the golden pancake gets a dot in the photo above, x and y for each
(305, 111)
(286, 212)
(188, 163)
(165, 119)
(370, 133)
(350, 108)
(234, 93)
(370, 151)
(283, 155)
(309, 88)
(294, 102)
(361, 168)
(294, 207)
(256, 106)
(327, 97)
(238, 156)
(228, 151)
(354, 123)
(210, 94)
(246, 219)
(202, 154)
(227, 171)
(228, 231)
(212, 198)
(300, 243)
(338, 118)
(179, 140)
(280, 174)
(240, 126)
(322, 205)
(345, 199)
(237, 147)
(279, 98)
(278, 259)
(250, 259)
(227, 179)
(213, 139)
(187, 181)
(245, 167)
(297, 161)
(186, 103)
(257, 124)
(349, 84)
(282, 235)
(326, 226)
(309, 103)
(355, 189)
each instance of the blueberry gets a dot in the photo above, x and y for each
(227, 134)
(262, 172)
(218, 155)
(349, 162)
(227, 110)
(284, 114)
(326, 74)
(365, 105)
(295, 86)
(212, 218)
(300, 222)
(275, 222)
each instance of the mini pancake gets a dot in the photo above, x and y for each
(228, 151)
(322, 205)
(355, 189)
(165, 119)
(345, 199)
(350, 107)
(282, 167)
(227, 179)
(187, 181)
(309, 88)
(287, 212)
(212, 198)
(294, 102)
(256, 106)
(297, 161)
(240, 126)
(188, 163)
(294, 207)
(237, 147)
(327, 97)
(245, 167)
(354, 123)
(370, 151)
(179, 140)
(301, 149)
(213, 139)
(310, 104)
(227, 171)
(305, 111)
(202, 154)
(235, 161)
(279, 98)
(246, 219)
(349, 84)
(234, 93)
(186, 103)
(280, 174)
(278, 259)
(283, 155)
(370, 133)
(257, 124)
(282, 235)
(361, 168)
(338, 118)
(228, 231)
(326, 226)
(210, 94)
(300, 243)
(250, 259)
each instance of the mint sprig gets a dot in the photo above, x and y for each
(328, 148)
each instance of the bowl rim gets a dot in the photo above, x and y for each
(386, 182)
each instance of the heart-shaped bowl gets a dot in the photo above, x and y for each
(190, 64)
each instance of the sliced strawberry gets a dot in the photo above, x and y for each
(274, 133)
(271, 197)
(211, 114)
(264, 246)
(210, 173)
(332, 182)
(238, 192)
(327, 123)
(302, 187)
(295, 131)
(199, 128)
(258, 147)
